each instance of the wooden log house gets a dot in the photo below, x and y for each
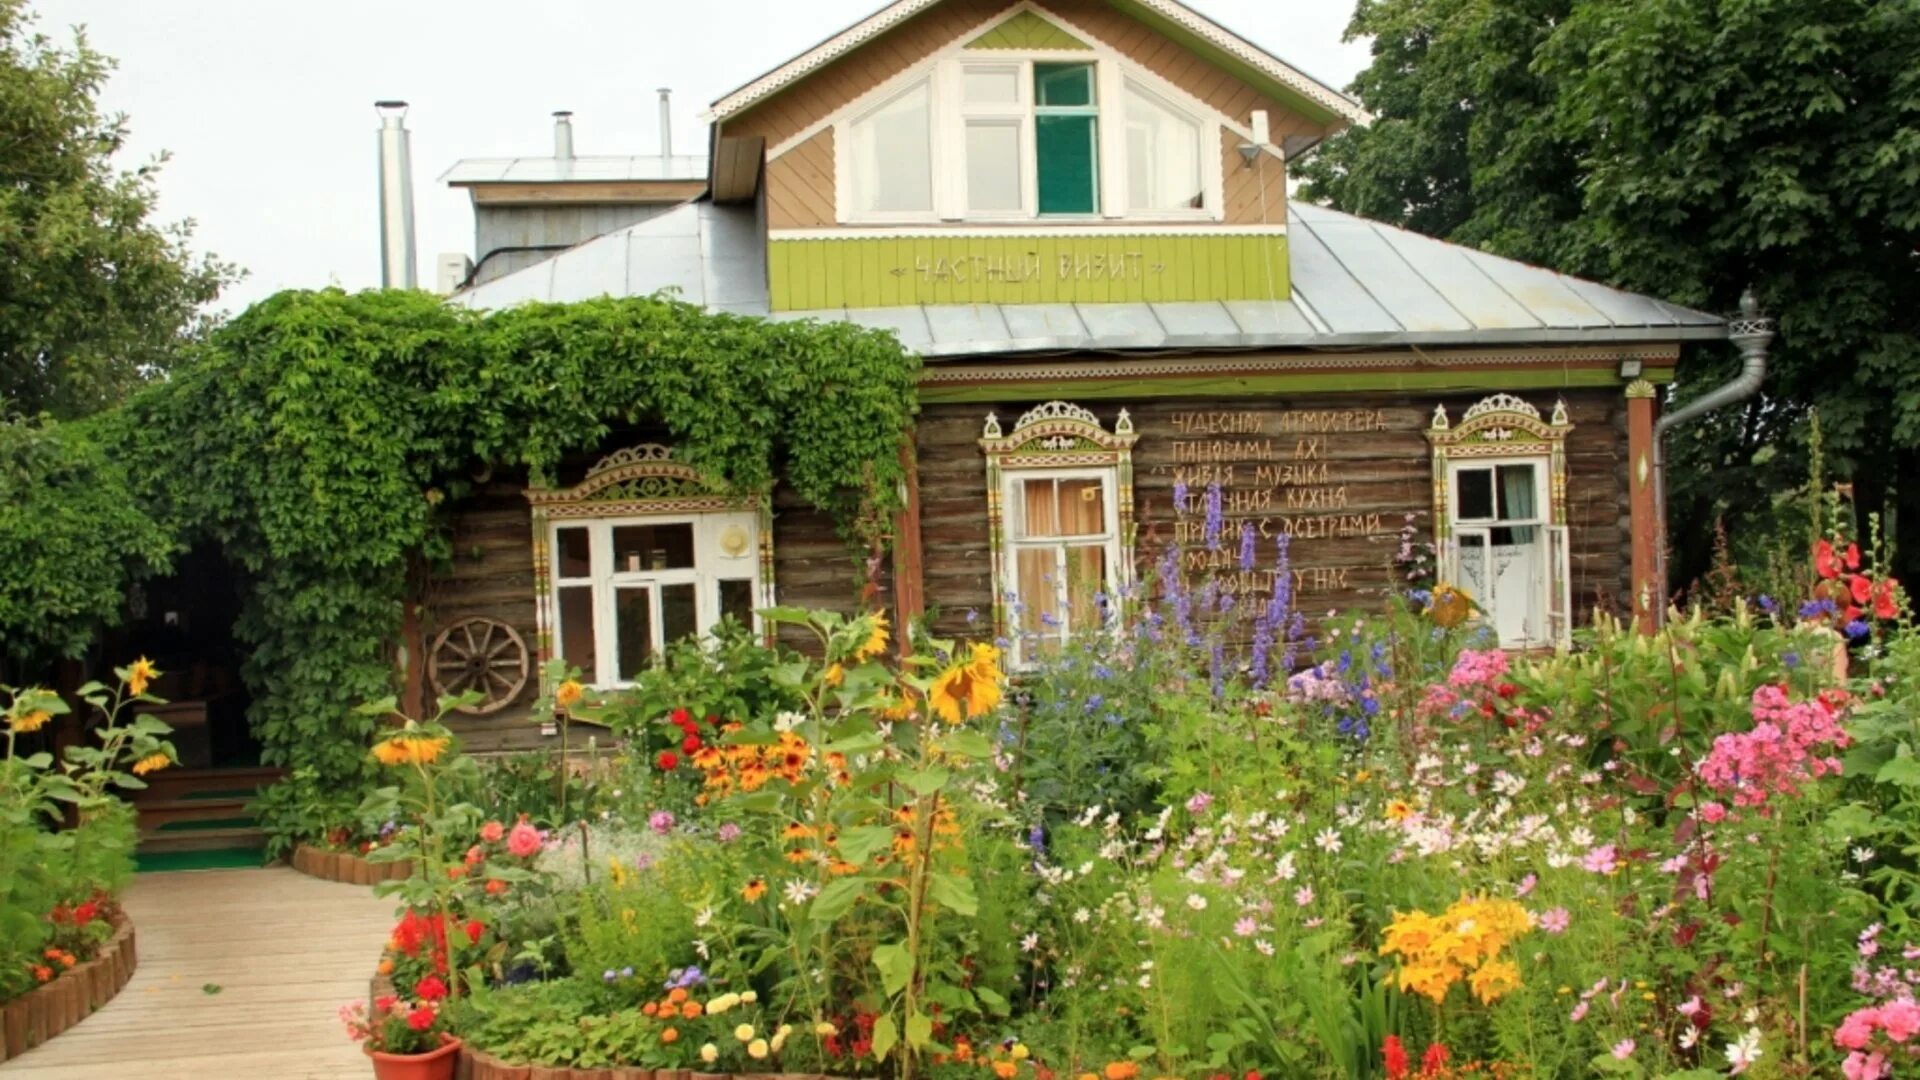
(1076, 213)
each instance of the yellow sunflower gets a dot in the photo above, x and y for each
(1449, 607)
(568, 694)
(876, 642)
(31, 720)
(410, 748)
(153, 762)
(968, 689)
(140, 675)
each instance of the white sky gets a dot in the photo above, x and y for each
(266, 105)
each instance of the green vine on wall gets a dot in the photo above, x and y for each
(322, 438)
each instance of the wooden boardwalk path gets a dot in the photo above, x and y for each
(285, 950)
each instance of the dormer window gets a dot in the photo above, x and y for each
(985, 136)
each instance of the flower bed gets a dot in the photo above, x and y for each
(40, 1014)
(346, 867)
(1198, 844)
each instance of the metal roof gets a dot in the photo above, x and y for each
(598, 167)
(1356, 283)
(713, 255)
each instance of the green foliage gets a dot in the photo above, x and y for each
(322, 438)
(98, 295)
(1685, 149)
(70, 535)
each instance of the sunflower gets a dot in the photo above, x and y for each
(968, 689)
(410, 747)
(876, 642)
(754, 889)
(1449, 607)
(31, 720)
(568, 694)
(153, 762)
(835, 675)
(140, 674)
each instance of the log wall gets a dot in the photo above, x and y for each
(1338, 473)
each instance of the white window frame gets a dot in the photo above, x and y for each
(711, 566)
(1013, 497)
(1549, 601)
(944, 73)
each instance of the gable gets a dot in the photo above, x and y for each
(1026, 30)
(810, 98)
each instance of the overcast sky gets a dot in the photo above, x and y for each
(266, 105)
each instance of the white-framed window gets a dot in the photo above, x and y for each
(1047, 135)
(624, 588)
(1063, 550)
(892, 155)
(1504, 549)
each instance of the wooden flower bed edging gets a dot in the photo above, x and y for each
(346, 867)
(45, 1011)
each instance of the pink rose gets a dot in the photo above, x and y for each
(1859, 1066)
(1857, 1029)
(1900, 1019)
(492, 831)
(524, 841)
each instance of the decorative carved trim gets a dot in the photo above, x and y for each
(963, 372)
(1640, 388)
(643, 473)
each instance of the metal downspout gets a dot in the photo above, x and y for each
(1751, 333)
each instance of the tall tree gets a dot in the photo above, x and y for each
(1683, 148)
(94, 296)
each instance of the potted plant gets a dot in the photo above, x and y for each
(406, 1040)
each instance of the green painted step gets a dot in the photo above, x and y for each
(210, 823)
(212, 859)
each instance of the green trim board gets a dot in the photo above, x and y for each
(1321, 382)
(160, 862)
(814, 273)
(1027, 30)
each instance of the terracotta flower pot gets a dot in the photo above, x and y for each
(14, 1026)
(630, 1072)
(432, 1065)
(549, 1072)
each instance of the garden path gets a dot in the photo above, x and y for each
(285, 950)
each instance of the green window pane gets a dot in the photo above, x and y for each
(1062, 85)
(1066, 155)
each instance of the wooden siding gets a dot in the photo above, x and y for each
(839, 83)
(1340, 552)
(800, 185)
(1255, 195)
(491, 574)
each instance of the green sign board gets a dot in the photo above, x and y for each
(867, 271)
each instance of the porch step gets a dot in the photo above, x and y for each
(200, 783)
(217, 836)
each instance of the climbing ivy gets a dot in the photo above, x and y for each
(322, 438)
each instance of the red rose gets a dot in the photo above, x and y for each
(421, 1018)
(680, 718)
(690, 744)
(668, 761)
(430, 988)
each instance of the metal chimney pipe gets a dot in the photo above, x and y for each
(563, 135)
(666, 121)
(397, 269)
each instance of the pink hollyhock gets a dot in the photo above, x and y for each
(523, 842)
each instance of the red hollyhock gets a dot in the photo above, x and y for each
(1885, 605)
(430, 988)
(1824, 561)
(1861, 588)
(668, 761)
(1394, 1056)
(1853, 556)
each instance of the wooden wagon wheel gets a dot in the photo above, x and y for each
(485, 655)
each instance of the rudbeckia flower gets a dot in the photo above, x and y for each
(140, 675)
